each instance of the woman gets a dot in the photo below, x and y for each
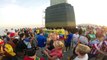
(53, 38)
(56, 53)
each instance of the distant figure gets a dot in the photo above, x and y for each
(6, 31)
(12, 30)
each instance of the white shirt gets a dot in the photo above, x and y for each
(75, 37)
(84, 58)
(83, 40)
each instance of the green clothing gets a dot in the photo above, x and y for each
(92, 36)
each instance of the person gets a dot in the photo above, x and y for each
(21, 46)
(92, 36)
(31, 55)
(7, 38)
(52, 40)
(75, 38)
(6, 51)
(56, 53)
(41, 42)
(97, 43)
(101, 50)
(68, 40)
(82, 52)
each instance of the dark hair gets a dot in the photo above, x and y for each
(30, 52)
(8, 33)
(22, 35)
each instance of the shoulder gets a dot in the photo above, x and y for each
(8, 45)
(76, 58)
(86, 57)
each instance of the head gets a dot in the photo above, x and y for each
(91, 32)
(54, 36)
(30, 52)
(8, 33)
(58, 45)
(22, 36)
(82, 49)
(99, 35)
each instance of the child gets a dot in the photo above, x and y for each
(31, 55)
(81, 51)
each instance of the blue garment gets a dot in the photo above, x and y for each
(27, 39)
(94, 42)
(69, 38)
(41, 41)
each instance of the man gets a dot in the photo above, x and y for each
(41, 41)
(68, 40)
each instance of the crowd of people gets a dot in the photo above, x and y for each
(85, 42)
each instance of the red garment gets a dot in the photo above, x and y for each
(12, 34)
(28, 58)
(57, 53)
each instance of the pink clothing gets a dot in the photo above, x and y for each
(57, 53)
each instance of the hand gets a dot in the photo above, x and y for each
(45, 52)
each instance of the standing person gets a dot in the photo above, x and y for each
(92, 36)
(27, 41)
(83, 39)
(41, 41)
(68, 40)
(97, 43)
(102, 51)
(21, 46)
(49, 38)
(53, 39)
(12, 30)
(75, 38)
(56, 53)
(7, 38)
(6, 31)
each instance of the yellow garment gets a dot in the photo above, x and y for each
(38, 31)
(9, 49)
(62, 31)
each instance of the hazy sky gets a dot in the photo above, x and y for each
(31, 12)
